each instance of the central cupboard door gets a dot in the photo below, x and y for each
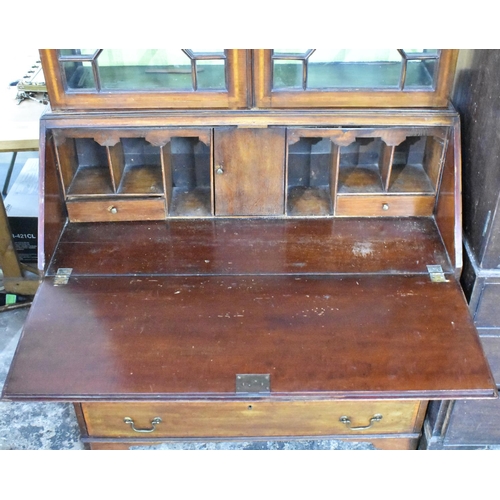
(249, 171)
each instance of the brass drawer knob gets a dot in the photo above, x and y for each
(112, 209)
(154, 423)
(385, 206)
(347, 421)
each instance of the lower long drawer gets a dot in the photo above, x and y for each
(251, 418)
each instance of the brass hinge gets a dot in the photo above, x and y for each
(436, 274)
(253, 383)
(62, 276)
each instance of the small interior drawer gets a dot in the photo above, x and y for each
(249, 418)
(384, 206)
(110, 210)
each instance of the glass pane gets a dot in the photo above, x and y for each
(354, 68)
(215, 52)
(211, 74)
(79, 75)
(412, 52)
(420, 73)
(144, 69)
(287, 74)
(278, 52)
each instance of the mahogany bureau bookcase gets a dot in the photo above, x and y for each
(250, 244)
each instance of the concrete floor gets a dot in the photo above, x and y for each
(31, 426)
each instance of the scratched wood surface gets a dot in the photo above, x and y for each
(251, 246)
(359, 337)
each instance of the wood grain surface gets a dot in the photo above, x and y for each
(359, 337)
(250, 418)
(252, 246)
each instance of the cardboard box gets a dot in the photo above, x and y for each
(21, 205)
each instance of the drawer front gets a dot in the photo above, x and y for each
(384, 206)
(116, 210)
(250, 418)
(488, 313)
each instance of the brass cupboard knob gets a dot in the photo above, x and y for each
(219, 170)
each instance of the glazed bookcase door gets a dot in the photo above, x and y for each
(146, 78)
(325, 78)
